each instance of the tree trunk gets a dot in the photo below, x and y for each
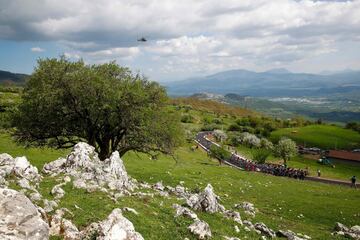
(105, 150)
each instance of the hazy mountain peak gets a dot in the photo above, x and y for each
(278, 71)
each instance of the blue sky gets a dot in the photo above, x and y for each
(185, 38)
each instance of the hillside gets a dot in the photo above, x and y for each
(212, 106)
(12, 78)
(281, 203)
(268, 84)
(322, 136)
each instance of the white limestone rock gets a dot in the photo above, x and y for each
(89, 172)
(249, 208)
(19, 218)
(159, 186)
(352, 233)
(233, 215)
(201, 229)
(49, 206)
(57, 191)
(117, 227)
(264, 229)
(23, 168)
(290, 235)
(6, 164)
(183, 211)
(19, 166)
(35, 196)
(206, 201)
(127, 209)
(55, 167)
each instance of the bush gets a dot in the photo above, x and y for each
(187, 118)
(266, 144)
(260, 155)
(219, 153)
(234, 128)
(209, 127)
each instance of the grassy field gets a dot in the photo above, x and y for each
(342, 171)
(280, 200)
(322, 136)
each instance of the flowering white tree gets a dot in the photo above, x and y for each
(266, 144)
(220, 135)
(250, 140)
(286, 148)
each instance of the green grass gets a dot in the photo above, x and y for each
(279, 200)
(37, 156)
(322, 136)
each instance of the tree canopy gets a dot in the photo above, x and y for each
(286, 149)
(106, 105)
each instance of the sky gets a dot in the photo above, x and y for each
(185, 38)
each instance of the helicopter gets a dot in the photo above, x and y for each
(142, 39)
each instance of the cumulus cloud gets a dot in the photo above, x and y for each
(210, 34)
(37, 49)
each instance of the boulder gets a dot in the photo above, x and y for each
(49, 206)
(57, 191)
(249, 208)
(35, 196)
(6, 164)
(201, 229)
(89, 172)
(352, 233)
(115, 227)
(233, 215)
(205, 201)
(23, 168)
(264, 229)
(290, 235)
(183, 211)
(19, 166)
(60, 226)
(19, 218)
(55, 167)
(159, 186)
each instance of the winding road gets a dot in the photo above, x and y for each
(205, 143)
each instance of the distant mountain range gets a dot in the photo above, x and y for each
(12, 78)
(272, 83)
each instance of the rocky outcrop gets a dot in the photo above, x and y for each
(19, 166)
(342, 230)
(206, 201)
(183, 211)
(201, 229)
(249, 208)
(233, 215)
(290, 235)
(57, 191)
(60, 226)
(19, 218)
(89, 172)
(264, 229)
(115, 227)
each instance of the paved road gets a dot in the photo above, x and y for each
(206, 144)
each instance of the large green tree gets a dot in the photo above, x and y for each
(106, 105)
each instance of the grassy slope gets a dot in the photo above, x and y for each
(323, 136)
(38, 156)
(279, 200)
(342, 171)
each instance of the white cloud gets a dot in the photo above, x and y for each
(37, 49)
(201, 35)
